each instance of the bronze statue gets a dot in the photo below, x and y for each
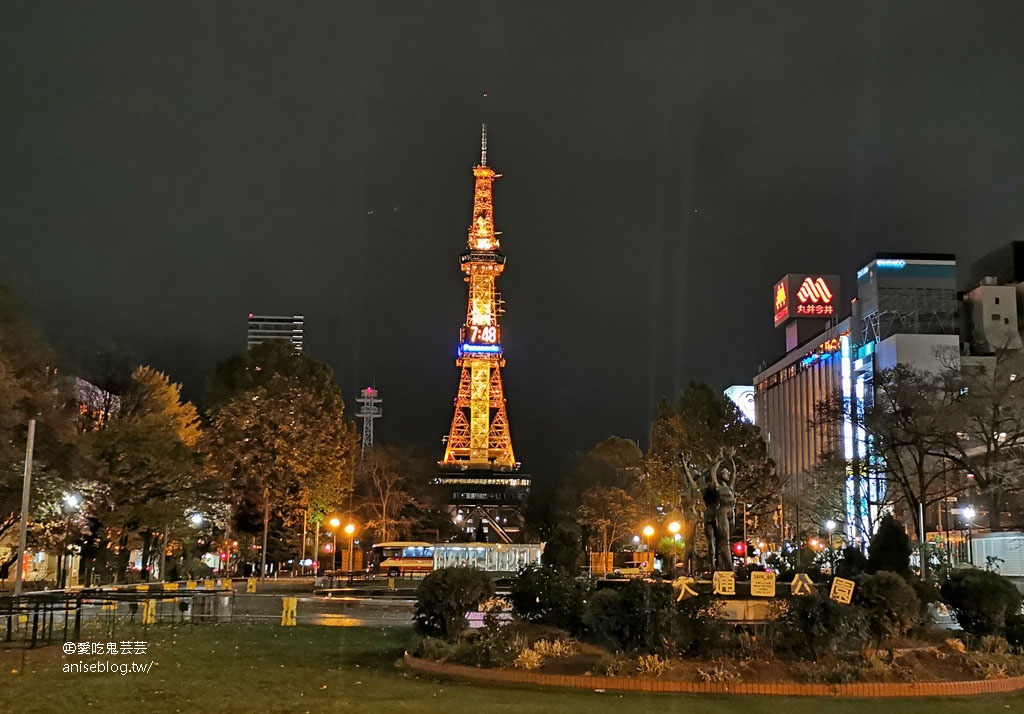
(719, 508)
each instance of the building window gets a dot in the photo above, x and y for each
(997, 301)
(1006, 321)
(995, 318)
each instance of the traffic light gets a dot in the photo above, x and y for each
(739, 549)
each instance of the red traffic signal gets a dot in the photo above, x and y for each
(739, 549)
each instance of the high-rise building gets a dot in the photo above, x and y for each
(485, 490)
(905, 312)
(263, 328)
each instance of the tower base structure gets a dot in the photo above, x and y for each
(486, 505)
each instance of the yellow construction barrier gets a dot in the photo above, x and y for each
(191, 584)
(288, 611)
(250, 585)
(209, 585)
(170, 586)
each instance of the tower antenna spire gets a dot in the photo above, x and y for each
(483, 144)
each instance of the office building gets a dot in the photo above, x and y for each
(263, 328)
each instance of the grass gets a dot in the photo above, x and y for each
(268, 669)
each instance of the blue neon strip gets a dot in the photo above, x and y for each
(489, 349)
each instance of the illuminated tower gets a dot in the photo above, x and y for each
(479, 437)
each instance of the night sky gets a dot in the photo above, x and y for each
(168, 168)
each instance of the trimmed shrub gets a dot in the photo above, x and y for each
(890, 548)
(1015, 630)
(640, 617)
(982, 601)
(699, 630)
(605, 618)
(445, 596)
(813, 625)
(548, 596)
(889, 604)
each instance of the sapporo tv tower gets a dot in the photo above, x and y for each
(485, 489)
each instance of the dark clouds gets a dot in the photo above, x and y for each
(167, 171)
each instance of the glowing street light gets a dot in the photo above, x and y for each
(334, 523)
(648, 532)
(72, 501)
(350, 529)
(196, 519)
(674, 527)
(969, 513)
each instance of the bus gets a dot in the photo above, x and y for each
(399, 558)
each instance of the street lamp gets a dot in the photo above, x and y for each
(830, 526)
(350, 529)
(196, 520)
(969, 514)
(334, 523)
(648, 532)
(72, 501)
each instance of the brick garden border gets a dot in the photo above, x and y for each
(787, 689)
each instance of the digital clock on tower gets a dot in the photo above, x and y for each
(481, 334)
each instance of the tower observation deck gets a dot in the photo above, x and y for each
(479, 437)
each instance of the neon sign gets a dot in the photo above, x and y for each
(781, 303)
(486, 349)
(805, 296)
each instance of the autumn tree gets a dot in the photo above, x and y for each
(149, 475)
(32, 387)
(278, 437)
(610, 515)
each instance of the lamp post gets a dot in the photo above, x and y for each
(648, 532)
(830, 526)
(71, 502)
(334, 523)
(969, 514)
(350, 529)
(674, 528)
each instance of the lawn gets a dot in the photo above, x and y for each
(267, 669)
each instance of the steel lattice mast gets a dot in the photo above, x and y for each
(368, 400)
(479, 436)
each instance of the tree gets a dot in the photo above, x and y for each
(890, 548)
(982, 425)
(149, 476)
(610, 513)
(612, 463)
(905, 424)
(705, 456)
(32, 387)
(564, 550)
(384, 486)
(278, 437)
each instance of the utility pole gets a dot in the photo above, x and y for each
(25, 492)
